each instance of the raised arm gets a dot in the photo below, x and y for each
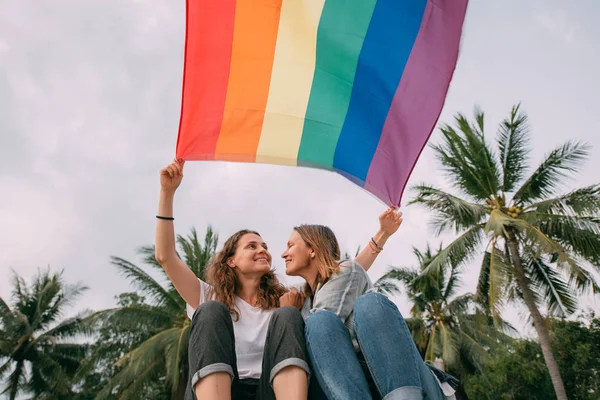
(182, 277)
(389, 222)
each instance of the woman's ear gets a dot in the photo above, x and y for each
(230, 263)
(312, 254)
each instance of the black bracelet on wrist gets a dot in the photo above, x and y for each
(165, 218)
(376, 245)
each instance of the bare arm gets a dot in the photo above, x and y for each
(389, 222)
(182, 277)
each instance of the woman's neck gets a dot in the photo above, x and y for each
(249, 289)
(310, 276)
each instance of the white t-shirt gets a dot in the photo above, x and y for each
(250, 332)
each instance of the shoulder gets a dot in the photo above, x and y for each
(353, 271)
(203, 285)
(351, 267)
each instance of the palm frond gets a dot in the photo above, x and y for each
(579, 235)
(386, 286)
(460, 305)
(148, 254)
(460, 251)
(4, 307)
(583, 202)
(578, 275)
(540, 243)
(513, 140)
(143, 361)
(68, 328)
(451, 212)
(552, 172)
(453, 283)
(557, 294)
(176, 356)
(449, 349)
(467, 159)
(146, 284)
(16, 380)
(135, 317)
(416, 326)
(431, 344)
(196, 255)
(494, 278)
(8, 362)
(402, 274)
(141, 380)
(499, 271)
(473, 351)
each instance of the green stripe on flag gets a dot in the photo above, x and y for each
(342, 30)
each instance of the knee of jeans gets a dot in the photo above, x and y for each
(374, 308)
(320, 323)
(287, 315)
(210, 311)
(369, 302)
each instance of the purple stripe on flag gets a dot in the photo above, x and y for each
(419, 99)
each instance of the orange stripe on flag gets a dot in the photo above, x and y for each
(254, 38)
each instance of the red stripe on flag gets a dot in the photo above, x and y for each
(208, 44)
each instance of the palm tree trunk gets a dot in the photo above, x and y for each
(538, 321)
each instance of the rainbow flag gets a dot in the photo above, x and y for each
(352, 86)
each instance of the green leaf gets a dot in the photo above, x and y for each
(467, 159)
(513, 140)
(451, 212)
(460, 251)
(583, 202)
(545, 281)
(146, 284)
(552, 172)
(386, 286)
(578, 235)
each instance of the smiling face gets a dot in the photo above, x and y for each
(251, 256)
(298, 255)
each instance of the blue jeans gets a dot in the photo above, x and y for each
(391, 356)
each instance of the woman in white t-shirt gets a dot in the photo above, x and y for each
(247, 333)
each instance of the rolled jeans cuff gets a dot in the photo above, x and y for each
(288, 362)
(211, 369)
(405, 393)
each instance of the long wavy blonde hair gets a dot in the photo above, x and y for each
(224, 283)
(323, 242)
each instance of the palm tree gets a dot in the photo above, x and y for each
(443, 325)
(152, 330)
(39, 352)
(538, 245)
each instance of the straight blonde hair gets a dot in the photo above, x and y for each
(323, 242)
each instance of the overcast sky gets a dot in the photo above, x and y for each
(89, 108)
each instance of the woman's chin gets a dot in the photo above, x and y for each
(290, 271)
